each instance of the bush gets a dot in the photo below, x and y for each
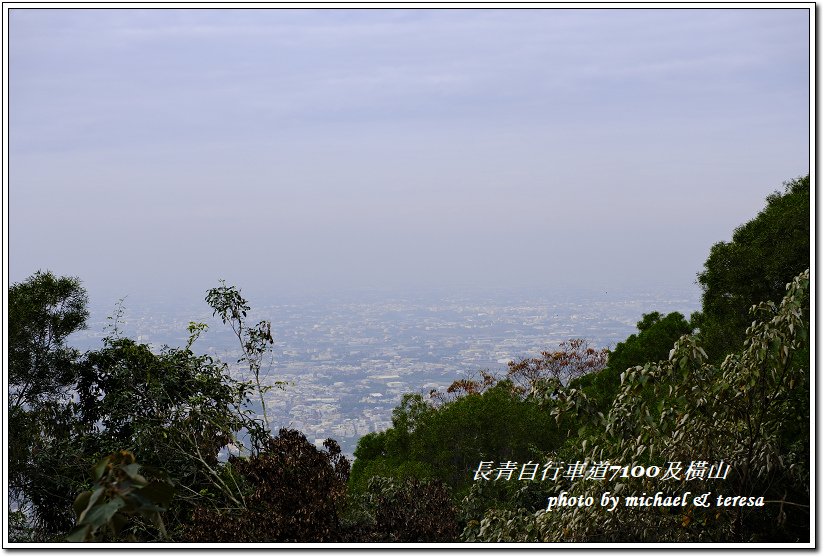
(294, 493)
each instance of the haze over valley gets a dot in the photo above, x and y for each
(349, 359)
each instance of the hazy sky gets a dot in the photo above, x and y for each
(303, 150)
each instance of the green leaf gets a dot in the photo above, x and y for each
(100, 515)
(81, 502)
(100, 468)
(131, 470)
(92, 500)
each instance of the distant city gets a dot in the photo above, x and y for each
(347, 362)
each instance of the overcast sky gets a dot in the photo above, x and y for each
(306, 150)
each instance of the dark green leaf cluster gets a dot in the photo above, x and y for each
(406, 511)
(121, 494)
(448, 441)
(762, 257)
(655, 337)
(43, 311)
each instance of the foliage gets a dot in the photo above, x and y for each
(475, 419)
(655, 337)
(474, 384)
(255, 341)
(737, 392)
(685, 409)
(293, 493)
(21, 528)
(43, 311)
(174, 410)
(498, 495)
(409, 510)
(573, 359)
(448, 441)
(378, 461)
(55, 470)
(120, 494)
(388, 453)
(496, 425)
(763, 255)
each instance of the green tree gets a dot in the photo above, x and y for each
(388, 453)
(497, 425)
(255, 340)
(174, 410)
(763, 255)
(655, 337)
(43, 311)
(448, 441)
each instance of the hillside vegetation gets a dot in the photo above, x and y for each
(122, 443)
